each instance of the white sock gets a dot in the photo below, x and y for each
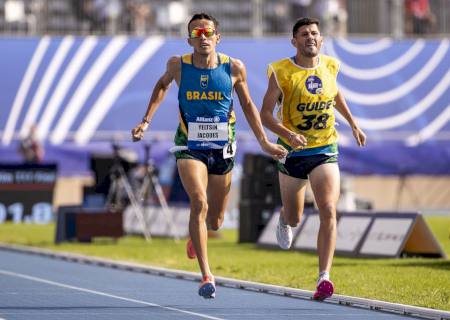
(324, 275)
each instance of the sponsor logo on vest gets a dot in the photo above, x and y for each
(204, 119)
(314, 85)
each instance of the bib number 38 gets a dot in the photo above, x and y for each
(312, 121)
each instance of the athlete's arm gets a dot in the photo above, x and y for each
(271, 97)
(344, 110)
(251, 112)
(160, 90)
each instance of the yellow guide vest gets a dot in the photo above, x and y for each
(307, 102)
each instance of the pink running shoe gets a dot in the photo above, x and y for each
(325, 289)
(190, 250)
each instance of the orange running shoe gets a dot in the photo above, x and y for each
(207, 288)
(190, 250)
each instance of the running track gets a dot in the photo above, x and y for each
(39, 287)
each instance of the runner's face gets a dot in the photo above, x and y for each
(308, 40)
(203, 42)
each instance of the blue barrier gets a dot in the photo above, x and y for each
(79, 90)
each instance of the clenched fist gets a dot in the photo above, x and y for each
(137, 133)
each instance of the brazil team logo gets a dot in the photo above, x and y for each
(204, 81)
(314, 85)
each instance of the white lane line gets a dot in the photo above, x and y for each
(104, 294)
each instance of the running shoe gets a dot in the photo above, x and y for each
(207, 288)
(325, 289)
(284, 235)
(190, 250)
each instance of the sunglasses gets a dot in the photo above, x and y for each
(197, 32)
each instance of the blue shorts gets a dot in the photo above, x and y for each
(212, 158)
(301, 166)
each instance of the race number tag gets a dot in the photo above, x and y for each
(229, 150)
(207, 133)
(282, 160)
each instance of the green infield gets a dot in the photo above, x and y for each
(421, 282)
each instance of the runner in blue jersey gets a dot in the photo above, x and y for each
(206, 136)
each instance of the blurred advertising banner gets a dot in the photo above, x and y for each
(365, 234)
(26, 192)
(83, 92)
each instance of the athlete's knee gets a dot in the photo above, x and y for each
(199, 204)
(327, 214)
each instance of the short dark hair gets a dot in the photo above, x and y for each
(202, 15)
(304, 22)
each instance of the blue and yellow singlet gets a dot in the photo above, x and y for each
(307, 105)
(206, 112)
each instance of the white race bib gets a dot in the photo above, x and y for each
(229, 150)
(207, 135)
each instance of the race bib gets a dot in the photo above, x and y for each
(207, 133)
(229, 150)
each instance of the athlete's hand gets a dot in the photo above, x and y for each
(275, 150)
(360, 136)
(137, 133)
(297, 141)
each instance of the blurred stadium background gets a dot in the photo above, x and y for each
(82, 73)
